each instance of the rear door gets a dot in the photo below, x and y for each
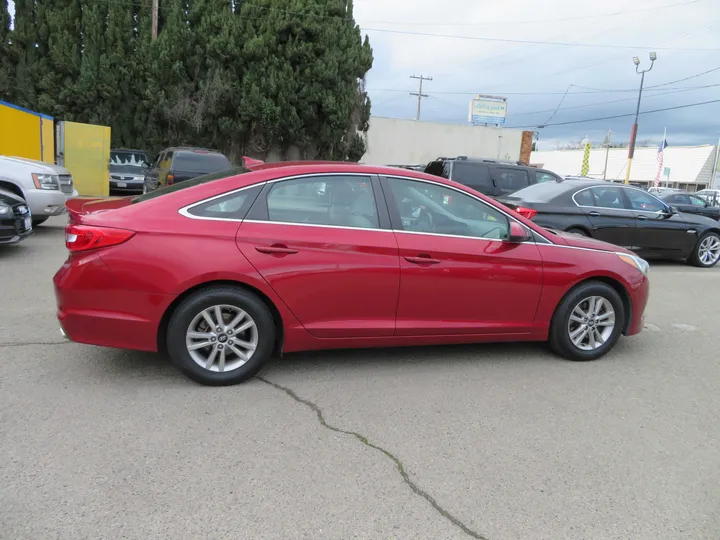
(324, 244)
(508, 180)
(607, 210)
(659, 233)
(458, 275)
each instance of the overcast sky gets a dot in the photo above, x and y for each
(462, 67)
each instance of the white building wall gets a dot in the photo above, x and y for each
(391, 141)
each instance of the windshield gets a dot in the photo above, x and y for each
(200, 162)
(129, 159)
(190, 183)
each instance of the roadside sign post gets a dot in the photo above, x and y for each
(666, 173)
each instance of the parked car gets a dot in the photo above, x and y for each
(44, 187)
(15, 218)
(264, 261)
(710, 195)
(127, 170)
(662, 190)
(179, 164)
(691, 204)
(622, 215)
(490, 177)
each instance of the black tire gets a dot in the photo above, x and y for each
(575, 230)
(695, 257)
(39, 221)
(192, 306)
(559, 339)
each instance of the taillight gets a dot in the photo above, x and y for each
(170, 179)
(527, 213)
(85, 237)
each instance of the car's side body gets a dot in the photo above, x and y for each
(327, 286)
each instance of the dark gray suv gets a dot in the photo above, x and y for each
(490, 177)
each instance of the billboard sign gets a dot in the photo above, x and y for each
(487, 110)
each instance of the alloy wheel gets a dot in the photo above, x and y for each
(709, 250)
(222, 338)
(591, 323)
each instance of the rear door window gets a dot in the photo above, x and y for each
(608, 197)
(585, 198)
(340, 201)
(474, 175)
(509, 180)
(200, 162)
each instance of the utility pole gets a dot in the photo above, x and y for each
(155, 18)
(419, 93)
(607, 151)
(633, 133)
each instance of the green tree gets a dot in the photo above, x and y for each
(7, 71)
(24, 37)
(89, 105)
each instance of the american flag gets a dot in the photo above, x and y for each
(660, 154)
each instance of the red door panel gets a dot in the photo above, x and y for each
(339, 282)
(453, 285)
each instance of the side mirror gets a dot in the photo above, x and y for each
(670, 210)
(518, 233)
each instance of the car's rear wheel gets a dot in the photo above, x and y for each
(221, 335)
(39, 221)
(707, 251)
(579, 232)
(588, 322)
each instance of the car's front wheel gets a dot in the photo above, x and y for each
(221, 335)
(588, 322)
(707, 251)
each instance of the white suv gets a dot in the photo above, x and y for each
(44, 187)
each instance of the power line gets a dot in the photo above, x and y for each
(621, 115)
(553, 93)
(528, 113)
(685, 79)
(533, 42)
(559, 104)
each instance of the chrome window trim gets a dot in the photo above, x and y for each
(184, 211)
(620, 209)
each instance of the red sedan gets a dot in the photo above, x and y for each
(225, 270)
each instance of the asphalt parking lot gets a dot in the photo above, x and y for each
(502, 442)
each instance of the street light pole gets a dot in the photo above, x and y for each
(633, 133)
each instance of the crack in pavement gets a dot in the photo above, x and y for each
(29, 343)
(400, 467)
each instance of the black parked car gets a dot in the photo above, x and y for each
(15, 218)
(177, 164)
(127, 170)
(490, 177)
(622, 215)
(691, 204)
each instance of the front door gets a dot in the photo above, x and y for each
(610, 218)
(657, 232)
(322, 245)
(458, 275)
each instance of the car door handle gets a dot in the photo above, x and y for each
(276, 249)
(422, 259)
(641, 216)
(594, 213)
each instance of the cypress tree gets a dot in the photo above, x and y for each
(88, 105)
(24, 38)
